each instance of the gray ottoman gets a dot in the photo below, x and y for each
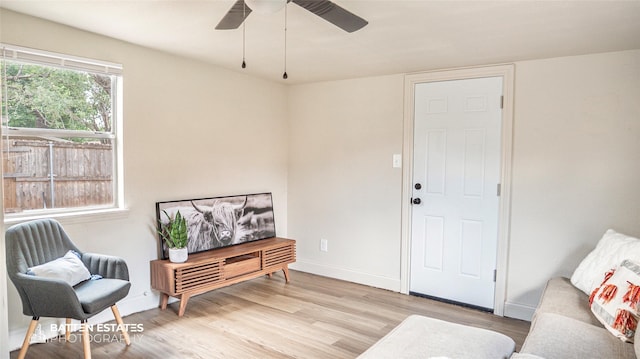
(422, 337)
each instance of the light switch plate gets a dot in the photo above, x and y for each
(397, 161)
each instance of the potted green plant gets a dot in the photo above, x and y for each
(174, 234)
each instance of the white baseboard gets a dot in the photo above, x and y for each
(518, 311)
(350, 275)
(46, 331)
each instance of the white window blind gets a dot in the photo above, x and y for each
(17, 53)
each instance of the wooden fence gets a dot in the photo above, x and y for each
(82, 174)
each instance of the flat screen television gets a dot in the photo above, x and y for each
(218, 222)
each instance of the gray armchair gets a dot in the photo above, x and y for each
(36, 242)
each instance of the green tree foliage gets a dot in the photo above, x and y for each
(47, 97)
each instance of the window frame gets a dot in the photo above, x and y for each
(114, 210)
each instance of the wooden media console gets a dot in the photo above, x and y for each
(218, 268)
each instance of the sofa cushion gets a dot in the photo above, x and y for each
(561, 297)
(615, 302)
(423, 337)
(610, 251)
(554, 336)
(636, 343)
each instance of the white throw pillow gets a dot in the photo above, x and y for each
(615, 303)
(68, 268)
(610, 251)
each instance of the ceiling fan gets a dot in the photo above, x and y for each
(326, 9)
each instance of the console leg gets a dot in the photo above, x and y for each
(164, 299)
(285, 270)
(184, 299)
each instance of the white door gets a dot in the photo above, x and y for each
(454, 216)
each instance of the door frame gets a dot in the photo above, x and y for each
(507, 72)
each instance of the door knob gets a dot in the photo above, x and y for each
(417, 186)
(416, 201)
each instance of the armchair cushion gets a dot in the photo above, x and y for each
(97, 295)
(68, 268)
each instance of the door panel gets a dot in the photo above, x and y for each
(457, 126)
(434, 237)
(434, 169)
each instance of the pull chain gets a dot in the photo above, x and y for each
(284, 75)
(244, 41)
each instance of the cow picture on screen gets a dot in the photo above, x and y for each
(221, 221)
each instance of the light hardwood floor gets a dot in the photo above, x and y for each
(311, 317)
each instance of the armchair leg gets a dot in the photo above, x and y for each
(116, 314)
(27, 338)
(86, 344)
(67, 330)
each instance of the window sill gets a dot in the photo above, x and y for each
(76, 217)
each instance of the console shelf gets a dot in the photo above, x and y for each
(219, 268)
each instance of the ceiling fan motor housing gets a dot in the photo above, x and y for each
(266, 6)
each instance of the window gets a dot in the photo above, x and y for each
(60, 133)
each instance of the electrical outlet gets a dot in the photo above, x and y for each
(324, 245)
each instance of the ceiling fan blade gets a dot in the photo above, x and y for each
(333, 13)
(234, 17)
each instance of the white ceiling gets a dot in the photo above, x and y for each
(402, 36)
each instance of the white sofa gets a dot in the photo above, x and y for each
(563, 327)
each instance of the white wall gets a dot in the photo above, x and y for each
(576, 165)
(191, 130)
(342, 186)
(576, 169)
